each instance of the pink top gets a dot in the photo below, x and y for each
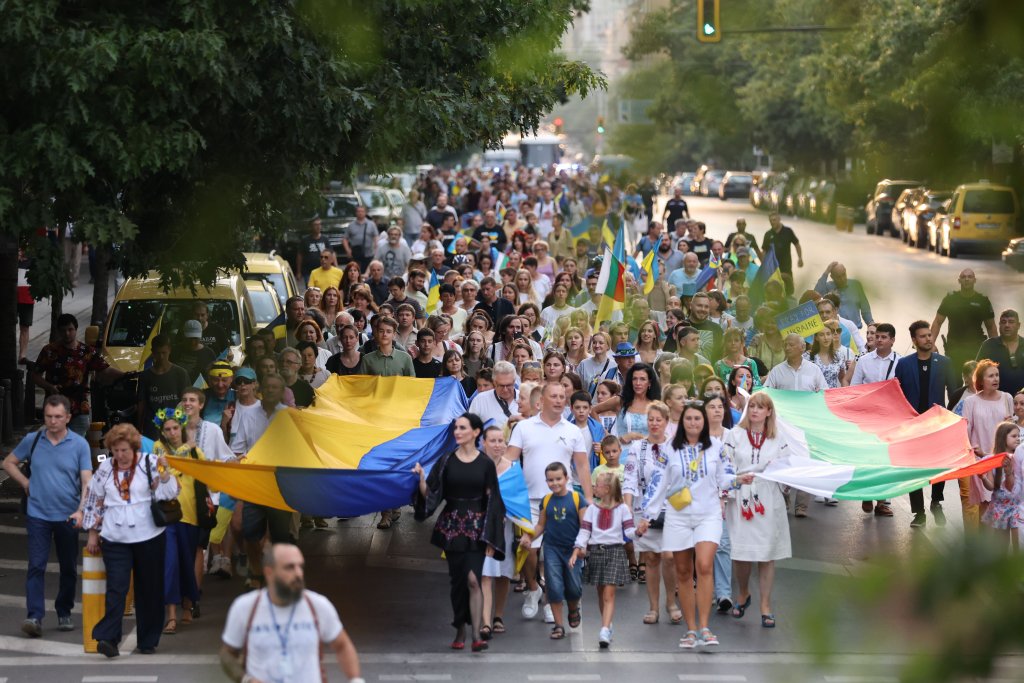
(982, 419)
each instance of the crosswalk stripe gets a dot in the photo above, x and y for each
(712, 678)
(19, 601)
(22, 565)
(119, 679)
(415, 677)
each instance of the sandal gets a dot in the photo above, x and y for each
(186, 616)
(689, 641)
(641, 573)
(634, 572)
(768, 620)
(499, 625)
(485, 632)
(519, 586)
(170, 627)
(740, 609)
(651, 618)
(675, 616)
(574, 617)
(384, 523)
(557, 633)
(707, 637)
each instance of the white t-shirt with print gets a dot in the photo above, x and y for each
(278, 653)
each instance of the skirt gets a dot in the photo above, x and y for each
(1003, 512)
(505, 568)
(606, 565)
(650, 542)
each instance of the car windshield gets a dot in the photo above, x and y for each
(275, 279)
(397, 198)
(374, 199)
(340, 206)
(988, 201)
(264, 305)
(133, 320)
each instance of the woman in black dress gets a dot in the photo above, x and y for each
(471, 525)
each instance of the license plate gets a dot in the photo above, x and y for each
(988, 226)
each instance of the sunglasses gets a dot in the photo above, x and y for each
(693, 403)
(713, 394)
(531, 365)
(243, 380)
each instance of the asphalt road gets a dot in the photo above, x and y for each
(390, 587)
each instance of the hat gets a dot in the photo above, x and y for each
(625, 350)
(246, 373)
(192, 330)
(221, 369)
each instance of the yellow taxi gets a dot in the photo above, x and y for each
(142, 308)
(266, 305)
(982, 217)
(274, 269)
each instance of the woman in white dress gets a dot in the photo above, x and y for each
(697, 471)
(644, 470)
(756, 515)
(497, 573)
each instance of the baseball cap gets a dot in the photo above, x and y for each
(625, 350)
(245, 373)
(192, 330)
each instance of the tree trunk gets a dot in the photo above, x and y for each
(101, 284)
(9, 317)
(57, 297)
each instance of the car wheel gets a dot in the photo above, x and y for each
(922, 241)
(953, 251)
(871, 228)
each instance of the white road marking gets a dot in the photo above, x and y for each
(119, 679)
(19, 601)
(709, 678)
(415, 677)
(13, 531)
(563, 677)
(40, 646)
(22, 565)
(130, 642)
(861, 679)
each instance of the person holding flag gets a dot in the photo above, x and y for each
(611, 284)
(433, 293)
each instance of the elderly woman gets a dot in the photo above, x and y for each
(309, 331)
(310, 368)
(118, 501)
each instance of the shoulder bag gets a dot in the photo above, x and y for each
(165, 512)
(26, 470)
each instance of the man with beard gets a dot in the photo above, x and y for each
(276, 634)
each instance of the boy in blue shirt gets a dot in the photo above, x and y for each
(559, 524)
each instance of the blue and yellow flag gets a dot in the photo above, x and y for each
(351, 453)
(580, 230)
(651, 267)
(512, 484)
(465, 232)
(147, 350)
(768, 271)
(433, 292)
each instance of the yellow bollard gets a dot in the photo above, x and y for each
(94, 594)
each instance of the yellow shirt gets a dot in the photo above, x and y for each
(186, 484)
(325, 278)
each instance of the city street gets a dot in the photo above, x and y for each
(391, 587)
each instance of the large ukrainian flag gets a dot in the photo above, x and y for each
(349, 454)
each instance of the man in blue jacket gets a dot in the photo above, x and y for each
(926, 378)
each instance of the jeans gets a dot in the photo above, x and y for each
(146, 559)
(723, 566)
(80, 424)
(563, 582)
(65, 538)
(180, 564)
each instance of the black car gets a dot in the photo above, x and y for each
(879, 208)
(734, 185)
(916, 219)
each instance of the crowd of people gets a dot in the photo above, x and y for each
(639, 437)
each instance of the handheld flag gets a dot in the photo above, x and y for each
(769, 271)
(433, 292)
(608, 235)
(580, 230)
(512, 485)
(611, 283)
(706, 277)
(147, 351)
(467, 233)
(650, 266)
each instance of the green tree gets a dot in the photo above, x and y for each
(182, 131)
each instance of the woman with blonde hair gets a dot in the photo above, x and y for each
(756, 516)
(524, 283)
(474, 353)
(312, 297)
(648, 342)
(574, 348)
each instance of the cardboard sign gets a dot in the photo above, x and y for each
(803, 320)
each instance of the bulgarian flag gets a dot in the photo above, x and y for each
(867, 443)
(611, 282)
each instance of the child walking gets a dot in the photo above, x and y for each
(611, 450)
(1004, 511)
(605, 525)
(560, 524)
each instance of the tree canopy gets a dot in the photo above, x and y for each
(183, 129)
(909, 87)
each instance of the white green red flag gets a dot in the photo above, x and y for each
(867, 443)
(611, 283)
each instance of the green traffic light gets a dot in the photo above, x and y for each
(600, 129)
(709, 30)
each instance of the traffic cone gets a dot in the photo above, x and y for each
(94, 594)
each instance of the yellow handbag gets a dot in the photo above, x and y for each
(681, 498)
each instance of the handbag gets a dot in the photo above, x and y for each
(26, 470)
(165, 512)
(206, 511)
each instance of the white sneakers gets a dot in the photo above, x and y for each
(531, 603)
(604, 638)
(549, 617)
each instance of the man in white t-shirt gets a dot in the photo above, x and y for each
(275, 634)
(498, 404)
(541, 440)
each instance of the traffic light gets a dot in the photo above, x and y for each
(558, 125)
(708, 29)
(600, 125)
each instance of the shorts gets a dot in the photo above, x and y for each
(258, 519)
(535, 518)
(25, 314)
(683, 532)
(223, 522)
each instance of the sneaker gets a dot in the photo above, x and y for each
(938, 514)
(920, 519)
(800, 511)
(319, 522)
(604, 639)
(33, 628)
(531, 603)
(107, 648)
(867, 506)
(65, 623)
(883, 510)
(831, 502)
(724, 605)
(221, 567)
(549, 617)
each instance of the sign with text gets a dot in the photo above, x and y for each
(803, 320)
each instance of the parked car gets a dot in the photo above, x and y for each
(777, 191)
(821, 203)
(757, 187)
(805, 195)
(685, 182)
(935, 228)
(379, 207)
(698, 179)
(917, 217)
(903, 209)
(982, 218)
(265, 304)
(880, 205)
(1013, 255)
(709, 185)
(735, 184)
(793, 191)
(336, 208)
(273, 269)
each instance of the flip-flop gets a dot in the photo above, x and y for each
(739, 610)
(485, 632)
(170, 630)
(499, 625)
(768, 620)
(675, 616)
(557, 633)
(651, 618)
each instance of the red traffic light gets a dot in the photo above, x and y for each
(558, 121)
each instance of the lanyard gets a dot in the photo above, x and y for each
(287, 627)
